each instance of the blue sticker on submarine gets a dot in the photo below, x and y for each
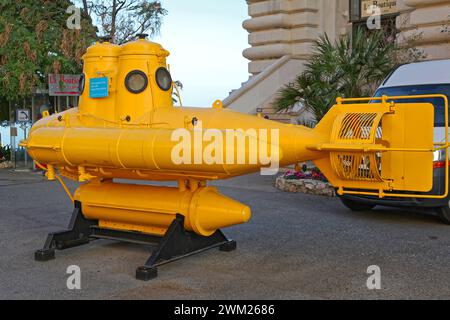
(99, 87)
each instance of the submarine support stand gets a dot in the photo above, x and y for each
(176, 244)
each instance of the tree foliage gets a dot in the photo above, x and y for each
(350, 67)
(121, 20)
(35, 41)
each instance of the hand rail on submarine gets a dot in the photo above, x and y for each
(51, 175)
(442, 146)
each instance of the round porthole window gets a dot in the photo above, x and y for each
(136, 81)
(82, 84)
(163, 79)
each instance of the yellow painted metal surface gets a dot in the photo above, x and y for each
(149, 149)
(100, 60)
(409, 170)
(152, 209)
(363, 148)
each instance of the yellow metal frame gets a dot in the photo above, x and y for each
(446, 145)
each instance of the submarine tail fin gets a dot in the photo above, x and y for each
(380, 149)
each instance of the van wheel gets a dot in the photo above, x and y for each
(444, 214)
(357, 206)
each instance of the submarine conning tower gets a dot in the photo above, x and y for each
(135, 73)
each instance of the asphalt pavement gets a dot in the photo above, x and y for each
(295, 247)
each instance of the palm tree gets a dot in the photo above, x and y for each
(351, 67)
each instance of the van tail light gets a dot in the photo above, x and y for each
(439, 165)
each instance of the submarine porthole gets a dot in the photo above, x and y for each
(136, 81)
(163, 79)
(82, 84)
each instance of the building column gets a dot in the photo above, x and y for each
(280, 28)
(425, 24)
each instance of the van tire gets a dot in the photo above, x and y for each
(444, 214)
(357, 206)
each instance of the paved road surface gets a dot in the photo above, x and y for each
(295, 247)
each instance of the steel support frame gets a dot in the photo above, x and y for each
(175, 245)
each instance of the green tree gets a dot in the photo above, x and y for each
(35, 41)
(351, 67)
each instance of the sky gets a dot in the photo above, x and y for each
(206, 40)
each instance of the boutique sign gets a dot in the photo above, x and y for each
(371, 7)
(63, 85)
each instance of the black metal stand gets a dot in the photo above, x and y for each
(178, 244)
(79, 234)
(175, 245)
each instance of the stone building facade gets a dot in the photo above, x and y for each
(282, 32)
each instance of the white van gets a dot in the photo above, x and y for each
(431, 77)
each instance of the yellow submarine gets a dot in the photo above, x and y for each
(124, 131)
